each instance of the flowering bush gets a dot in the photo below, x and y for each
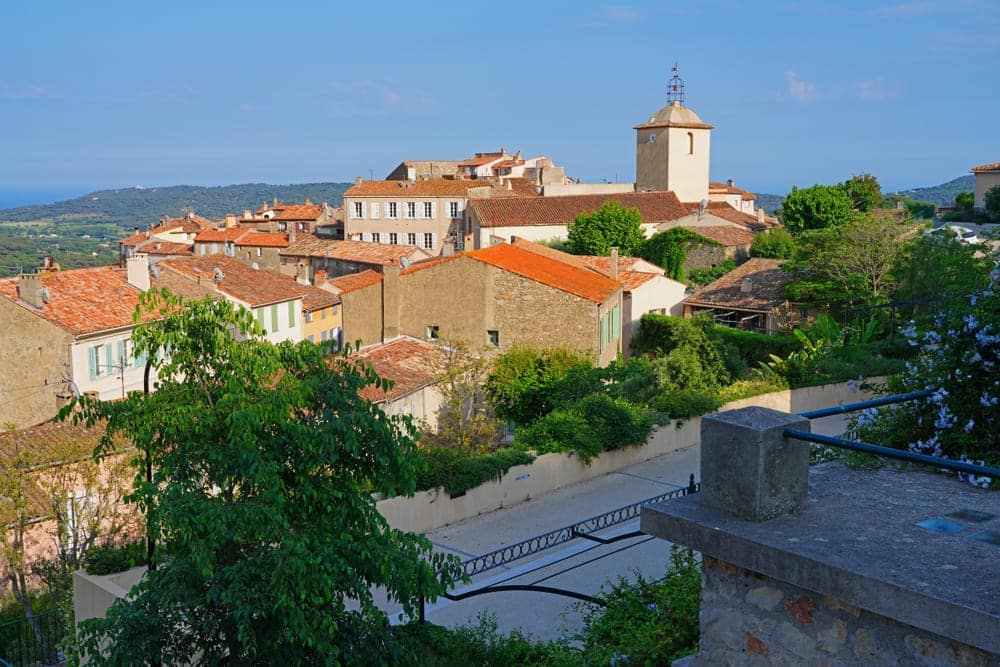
(958, 360)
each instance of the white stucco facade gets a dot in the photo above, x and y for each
(105, 363)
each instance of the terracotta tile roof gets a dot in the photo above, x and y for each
(655, 207)
(503, 164)
(519, 187)
(411, 365)
(155, 247)
(748, 196)
(307, 245)
(571, 278)
(355, 281)
(632, 280)
(478, 161)
(767, 287)
(297, 212)
(251, 286)
(371, 253)
(727, 236)
(48, 444)
(181, 285)
(724, 210)
(427, 263)
(314, 298)
(264, 240)
(603, 264)
(221, 235)
(83, 301)
(431, 187)
(992, 166)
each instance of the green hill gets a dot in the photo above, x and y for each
(942, 195)
(131, 207)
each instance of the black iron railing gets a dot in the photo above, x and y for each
(25, 643)
(879, 450)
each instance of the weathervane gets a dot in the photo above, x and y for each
(675, 87)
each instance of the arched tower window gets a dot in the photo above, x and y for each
(690, 143)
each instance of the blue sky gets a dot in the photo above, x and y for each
(110, 94)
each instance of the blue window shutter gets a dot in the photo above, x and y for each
(92, 361)
(107, 358)
(121, 352)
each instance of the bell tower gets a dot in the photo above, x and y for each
(672, 149)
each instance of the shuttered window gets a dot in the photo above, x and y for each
(93, 360)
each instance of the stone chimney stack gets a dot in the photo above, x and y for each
(729, 182)
(230, 221)
(760, 215)
(138, 271)
(320, 276)
(29, 289)
(614, 264)
(357, 180)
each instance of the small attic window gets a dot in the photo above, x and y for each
(652, 137)
(690, 143)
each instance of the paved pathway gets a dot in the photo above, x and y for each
(578, 565)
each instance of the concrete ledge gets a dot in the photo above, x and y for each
(857, 542)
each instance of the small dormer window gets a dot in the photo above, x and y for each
(652, 137)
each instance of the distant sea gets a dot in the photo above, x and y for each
(11, 197)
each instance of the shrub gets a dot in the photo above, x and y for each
(776, 244)
(109, 558)
(520, 383)
(685, 403)
(751, 387)
(669, 249)
(698, 277)
(595, 424)
(753, 347)
(457, 470)
(480, 644)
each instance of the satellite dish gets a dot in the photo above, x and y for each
(404, 262)
(255, 266)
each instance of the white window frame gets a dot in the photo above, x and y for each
(453, 210)
(393, 238)
(428, 241)
(373, 211)
(358, 210)
(411, 209)
(411, 238)
(376, 237)
(392, 210)
(428, 209)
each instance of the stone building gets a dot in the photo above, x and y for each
(987, 176)
(310, 254)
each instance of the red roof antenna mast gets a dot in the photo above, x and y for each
(675, 88)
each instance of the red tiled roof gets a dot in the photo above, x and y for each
(371, 253)
(264, 240)
(355, 281)
(314, 298)
(727, 236)
(655, 207)
(603, 264)
(478, 161)
(83, 301)
(251, 286)
(221, 235)
(303, 212)
(411, 365)
(155, 247)
(632, 280)
(576, 280)
(431, 187)
(767, 287)
(992, 166)
(427, 263)
(724, 210)
(629, 279)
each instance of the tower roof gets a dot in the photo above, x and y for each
(675, 115)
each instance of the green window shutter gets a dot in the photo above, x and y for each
(291, 313)
(616, 323)
(92, 361)
(274, 318)
(260, 319)
(107, 357)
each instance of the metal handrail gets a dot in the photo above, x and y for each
(879, 450)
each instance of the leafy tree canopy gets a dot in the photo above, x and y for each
(268, 541)
(669, 249)
(610, 226)
(991, 200)
(864, 191)
(776, 244)
(818, 207)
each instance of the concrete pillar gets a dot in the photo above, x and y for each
(748, 468)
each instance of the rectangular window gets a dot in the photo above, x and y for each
(260, 251)
(428, 209)
(373, 210)
(335, 337)
(453, 209)
(310, 338)
(393, 238)
(274, 318)
(291, 314)
(323, 316)
(432, 332)
(109, 368)
(429, 241)
(493, 337)
(215, 248)
(334, 310)
(376, 237)
(322, 335)
(411, 239)
(411, 209)
(260, 319)
(309, 317)
(359, 209)
(122, 356)
(94, 361)
(393, 209)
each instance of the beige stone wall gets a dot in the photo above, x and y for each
(666, 163)
(563, 189)
(704, 256)
(456, 296)
(441, 225)
(983, 183)
(30, 374)
(362, 315)
(264, 258)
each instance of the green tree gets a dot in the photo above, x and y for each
(936, 266)
(609, 226)
(465, 419)
(991, 201)
(864, 191)
(818, 207)
(268, 543)
(775, 243)
(965, 200)
(519, 384)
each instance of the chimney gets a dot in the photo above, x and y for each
(729, 182)
(230, 221)
(50, 264)
(138, 271)
(517, 155)
(135, 230)
(307, 202)
(320, 276)
(760, 215)
(357, 180)
(246, 214)
(448, 247)
(29, 289)
(746, 286)
(390, 302)
(614, 263)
